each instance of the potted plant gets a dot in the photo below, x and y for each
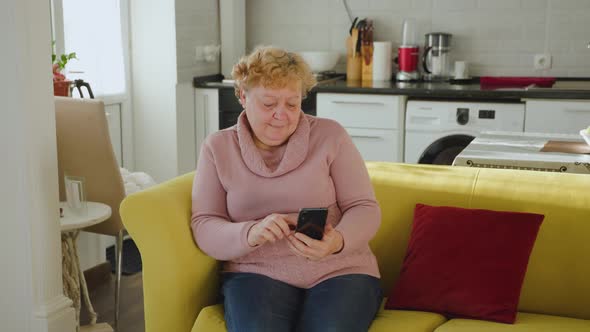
(61, 86)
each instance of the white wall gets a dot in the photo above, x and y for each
(154, 76)
(30, 251)
(197, 24)
(164, 35)
(498, 37)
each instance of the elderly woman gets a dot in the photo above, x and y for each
(251, 181)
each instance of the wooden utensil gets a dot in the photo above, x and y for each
(353, 58)
(354, 39)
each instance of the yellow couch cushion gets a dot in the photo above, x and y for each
(398, 188)
(406, 321)
(525, 322)
(558, 273)
(211, 319)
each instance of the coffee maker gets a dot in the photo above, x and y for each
(408, 53)
(436, 60)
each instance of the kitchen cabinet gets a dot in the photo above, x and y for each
(207, 111)
(206, 115)
(374, 122)
(556, 116)
(113, 113)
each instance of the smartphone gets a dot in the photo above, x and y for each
(311, 222)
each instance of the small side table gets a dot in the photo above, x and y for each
(71, 223)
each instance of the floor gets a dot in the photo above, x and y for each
(131, 318)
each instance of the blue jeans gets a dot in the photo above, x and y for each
(254, 302)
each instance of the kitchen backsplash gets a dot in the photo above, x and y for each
(197, 23)
(496, 37)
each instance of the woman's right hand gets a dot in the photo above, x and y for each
(272, 228)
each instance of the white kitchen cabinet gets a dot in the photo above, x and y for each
(374, 122)
(113, 113)
(375, 144)
(556, 116)
(206, 115)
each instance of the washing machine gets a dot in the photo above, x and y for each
(437, 131)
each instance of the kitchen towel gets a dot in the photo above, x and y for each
(381, 61)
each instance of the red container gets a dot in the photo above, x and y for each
(520, 82)
(408, 58)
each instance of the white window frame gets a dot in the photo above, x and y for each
(124, 99)
(58, 35)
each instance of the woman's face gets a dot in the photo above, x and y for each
(273, 114)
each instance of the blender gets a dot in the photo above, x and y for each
(408, 53)
(436, 59)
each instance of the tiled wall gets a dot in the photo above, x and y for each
(197, 23)
(497, 37)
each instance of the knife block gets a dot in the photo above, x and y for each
(367, 62)
(353, 62)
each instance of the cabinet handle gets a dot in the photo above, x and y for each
(366, 136)
(576, 110)
(342, 102)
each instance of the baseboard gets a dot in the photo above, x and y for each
(100, 327)
(97, 276)
(56, 316)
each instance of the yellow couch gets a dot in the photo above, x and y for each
(181, 283)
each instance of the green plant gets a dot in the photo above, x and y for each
(62, 60)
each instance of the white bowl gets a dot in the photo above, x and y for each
(320, 61)
(585, 135)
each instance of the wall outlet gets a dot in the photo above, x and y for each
(542, 61)
(207, 53)
(212, 52)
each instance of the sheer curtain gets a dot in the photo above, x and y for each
(93, 30)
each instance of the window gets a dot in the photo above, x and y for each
(93, 29)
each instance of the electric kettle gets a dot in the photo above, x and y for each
(436, 60)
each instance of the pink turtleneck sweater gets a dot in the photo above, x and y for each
(236, 185)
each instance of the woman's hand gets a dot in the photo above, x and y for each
(304, 246)
(271, 229)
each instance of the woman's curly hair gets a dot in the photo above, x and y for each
(272, 67)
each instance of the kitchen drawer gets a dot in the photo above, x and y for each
(557, 116)
(361, 111)
(377, 144)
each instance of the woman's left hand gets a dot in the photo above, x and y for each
(304, 246)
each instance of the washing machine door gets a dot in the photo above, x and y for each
(444, 150)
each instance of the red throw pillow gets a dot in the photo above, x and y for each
(466, 263)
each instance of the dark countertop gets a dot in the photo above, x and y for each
(435, 90)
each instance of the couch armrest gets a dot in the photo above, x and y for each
(178, 278)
